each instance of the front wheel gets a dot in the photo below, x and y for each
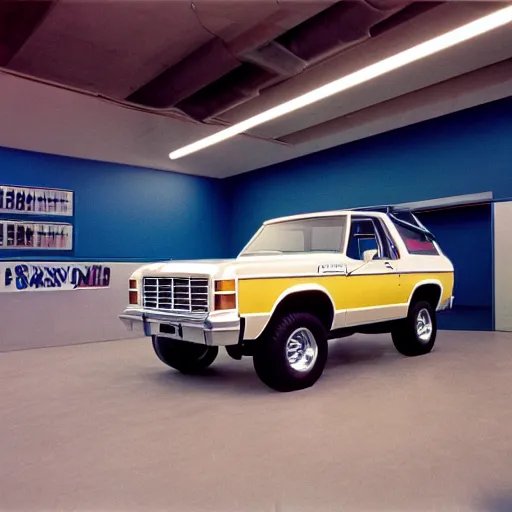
(293, 354)
(184, 356)
(416, 335)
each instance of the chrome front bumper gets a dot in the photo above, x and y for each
(216, 329)
(446, 305)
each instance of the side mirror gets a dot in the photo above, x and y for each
(369, 255)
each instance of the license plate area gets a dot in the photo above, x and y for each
(171, 330)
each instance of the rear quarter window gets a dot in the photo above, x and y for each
(417, 243)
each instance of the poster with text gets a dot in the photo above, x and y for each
(35, 235)
(46, 276)
(36, 201)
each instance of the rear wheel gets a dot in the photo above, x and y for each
(293, 353)
(416, 335)
(184, 356)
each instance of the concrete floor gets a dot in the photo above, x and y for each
(107, 427)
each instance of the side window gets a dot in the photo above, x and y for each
(392, 251)
(416, 243)
(367, 240)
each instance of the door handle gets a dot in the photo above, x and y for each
(389, 266)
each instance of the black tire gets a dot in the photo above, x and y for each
(406, 337)
(270, 357)
(184, 356)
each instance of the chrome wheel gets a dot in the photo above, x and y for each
(424, 326)
(301, 350)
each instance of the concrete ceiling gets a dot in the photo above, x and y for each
(130, 81)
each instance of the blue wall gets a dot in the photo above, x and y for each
(466, 152)
(125, 213)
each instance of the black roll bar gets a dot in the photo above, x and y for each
(391, 211)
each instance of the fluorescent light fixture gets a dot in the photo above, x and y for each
(420, 51)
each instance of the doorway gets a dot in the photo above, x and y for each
(465, 235)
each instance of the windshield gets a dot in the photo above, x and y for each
(321, 234)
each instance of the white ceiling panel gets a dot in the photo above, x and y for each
(419, 29)
(107, 43)
(50, 120)
(104, 46)
(483, 51)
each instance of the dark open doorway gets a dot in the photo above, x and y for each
(465, 235)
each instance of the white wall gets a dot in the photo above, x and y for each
(503, 266)
(31, 319)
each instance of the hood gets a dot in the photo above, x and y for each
(245, 266)
(184, 268)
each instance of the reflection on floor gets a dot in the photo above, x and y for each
(107, 427)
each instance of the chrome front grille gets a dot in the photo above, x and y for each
(178, 294)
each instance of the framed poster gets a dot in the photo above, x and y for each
(21, 235)
(36, 201)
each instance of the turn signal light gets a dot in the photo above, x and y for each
(225, 302)
(225, 286)
(133, 293)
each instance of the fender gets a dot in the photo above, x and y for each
(423, 283)
(262, 319)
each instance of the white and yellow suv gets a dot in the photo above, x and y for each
(300, 281)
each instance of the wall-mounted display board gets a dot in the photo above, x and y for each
(36, 201)
(36, 235)
(28, 276)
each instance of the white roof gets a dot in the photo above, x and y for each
(333, 213)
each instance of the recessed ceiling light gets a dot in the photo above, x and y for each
(420, 51)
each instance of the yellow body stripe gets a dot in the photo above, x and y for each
(356, 291)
